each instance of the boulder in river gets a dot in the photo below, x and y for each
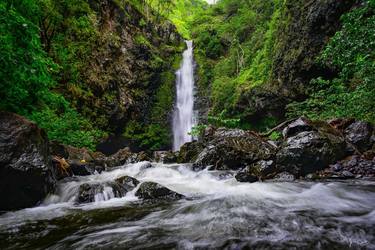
(90, 192)
(189, 152)
(309, 147)
(244, 176)
(352, 167)
(26, 171)
(152, 190)
(127, 182)
(233, 149)
(260, 170)
(360, 134)
(125, 156)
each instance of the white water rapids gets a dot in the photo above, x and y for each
(218, 213)
(183, 117)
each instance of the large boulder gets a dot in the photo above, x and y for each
(189, 152)
(26, 171)
(352, 167)
(127, 183)
(233, 149)
(82, 162)
(309, 147)
(125, 156)
(360, 134)
(261, 170)
(152, 190)
(76, 161)
(90, 192)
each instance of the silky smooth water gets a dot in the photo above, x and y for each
(218, 213)
(183, 117)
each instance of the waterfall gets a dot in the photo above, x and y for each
(183, 117)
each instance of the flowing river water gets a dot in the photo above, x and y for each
(217, 213)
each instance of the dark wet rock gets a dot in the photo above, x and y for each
(165, 157)
(244, 176)
(125, 156)
(87, 192)
(117, 188)
(27, 174)
(262, 170)
(62, 167)
(146, 165)
(189, 152)
(208, 134)
(81, 169)
(305, 152)
(233, 149)
(80, 161)
(151, 190)
(114, 189)
(127, 182)
(312, 177)
(284, 177)
(351, 167)
(340, 123)
(120, 158)
(299, 125)
(170, 157)
(359, 134)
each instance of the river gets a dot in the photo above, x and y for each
(217, 213)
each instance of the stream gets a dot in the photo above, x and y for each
(217, 213)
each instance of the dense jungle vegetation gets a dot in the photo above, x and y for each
(239, 47)
(54, 71)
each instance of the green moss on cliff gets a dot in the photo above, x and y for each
(257, 56)
(235, 41)
(79, 68)
(155, 132)
(352, 53)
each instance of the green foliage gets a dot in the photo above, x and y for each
(155, 134)
(141, 40)
(352, 52)
(238, 39)
(68, 127)
(275, 136)
(180, 12)
(198, 130)
(25, 69)
(222, 121)
(27, 74)
(152, 136)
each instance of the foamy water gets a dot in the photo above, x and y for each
(218, 212)
(183, 117)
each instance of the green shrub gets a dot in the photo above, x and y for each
(352, 52)
(275, 136)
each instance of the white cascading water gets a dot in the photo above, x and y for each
(183, 118)
(218, 213)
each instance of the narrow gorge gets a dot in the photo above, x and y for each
(187, 124)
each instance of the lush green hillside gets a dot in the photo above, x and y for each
(258, 56)
(83, 69)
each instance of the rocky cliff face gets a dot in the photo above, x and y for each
(130, 52)
(306, 29)
(269, 58)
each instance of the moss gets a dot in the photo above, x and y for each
(142, 40)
